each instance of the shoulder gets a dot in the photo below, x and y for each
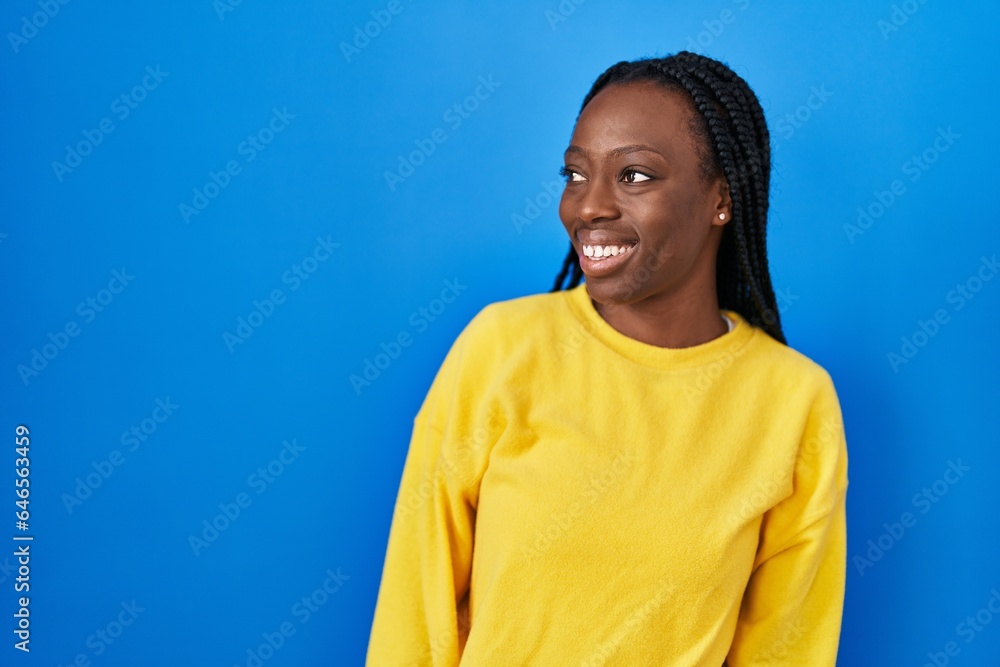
(788, 367)
(520, 318)
(523, 308)
(504, 336)
(800, 392)
(501, 337)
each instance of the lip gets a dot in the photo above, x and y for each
(603, 237)
(606, 265)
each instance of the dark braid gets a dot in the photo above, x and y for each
(734, 143)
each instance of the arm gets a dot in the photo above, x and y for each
(421, 615)
(792, 607)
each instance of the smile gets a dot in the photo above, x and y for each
(599, 252)
(602, 260)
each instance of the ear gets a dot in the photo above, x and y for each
(722, 203)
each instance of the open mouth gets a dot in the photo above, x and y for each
(602, 260)
(599, 252)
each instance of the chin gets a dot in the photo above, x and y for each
(613, 291)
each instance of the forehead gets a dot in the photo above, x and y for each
(636, 113)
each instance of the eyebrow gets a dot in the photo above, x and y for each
(618, 152)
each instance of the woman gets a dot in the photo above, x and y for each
(635, 470)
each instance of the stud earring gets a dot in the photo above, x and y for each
(722, 216)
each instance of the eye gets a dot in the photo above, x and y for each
(570, 175)
(632, 175)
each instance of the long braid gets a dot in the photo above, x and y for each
(567, 264)
(746, 160)
(733, 130)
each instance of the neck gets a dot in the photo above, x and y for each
(671, 321)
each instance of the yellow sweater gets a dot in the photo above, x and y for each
(572, 496)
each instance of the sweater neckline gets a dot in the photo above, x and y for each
(663, 358)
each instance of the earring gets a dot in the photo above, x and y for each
(722, 216)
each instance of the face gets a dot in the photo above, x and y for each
(642, 218)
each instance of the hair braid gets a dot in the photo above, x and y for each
(735, 143)
(735, 170)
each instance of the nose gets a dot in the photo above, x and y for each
(598, 201)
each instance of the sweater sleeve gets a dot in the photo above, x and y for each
(421, 614)
(792, 607)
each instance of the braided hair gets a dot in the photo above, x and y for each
(733, 142)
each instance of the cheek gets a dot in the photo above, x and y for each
(653, 217)
(667, 219)
(565, 210)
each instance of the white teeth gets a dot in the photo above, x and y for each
(602, 251)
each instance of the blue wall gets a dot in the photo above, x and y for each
(200, 246)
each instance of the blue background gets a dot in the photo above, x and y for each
(850, 298)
